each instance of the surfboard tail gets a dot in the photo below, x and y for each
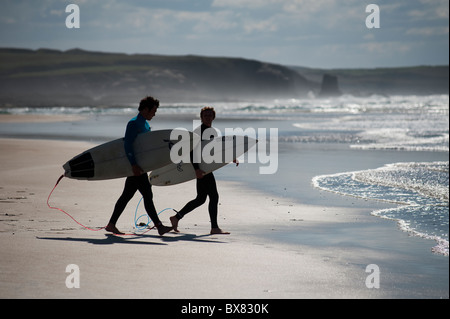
(81, 166)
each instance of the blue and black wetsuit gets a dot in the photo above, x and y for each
(136, 126)
(206, 186)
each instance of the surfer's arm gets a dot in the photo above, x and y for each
(130, 136)
(137, 170)
(198, 172)
(195, 165)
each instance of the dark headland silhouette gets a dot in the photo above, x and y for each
(77, 77)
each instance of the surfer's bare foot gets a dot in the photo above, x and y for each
(163, 229)
(113, 229)
(174, 221)
(215, 231)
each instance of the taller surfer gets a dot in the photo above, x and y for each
(139, 181)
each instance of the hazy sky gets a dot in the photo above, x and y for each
(312, 33)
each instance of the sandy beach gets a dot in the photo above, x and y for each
(327, 260)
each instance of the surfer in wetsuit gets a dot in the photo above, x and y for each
(206, 183)
(136, 126)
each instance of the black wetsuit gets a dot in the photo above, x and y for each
(206, 186)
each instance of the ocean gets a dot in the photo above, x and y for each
(398, 148)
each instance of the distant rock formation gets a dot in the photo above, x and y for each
(330, 86)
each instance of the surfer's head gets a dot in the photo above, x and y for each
(207, 115)
(148, 107)
(148, 102)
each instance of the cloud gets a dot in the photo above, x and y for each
(283, 31)
(433, 9)
(391, 47)
(251, 26)
(428, 31)
(248, 4)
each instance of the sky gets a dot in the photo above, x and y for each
(309, 33)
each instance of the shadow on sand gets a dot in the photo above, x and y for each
(111, 239)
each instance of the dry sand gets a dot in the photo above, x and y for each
(334, 244)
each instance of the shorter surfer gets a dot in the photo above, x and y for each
(137, 125)
(206, 183)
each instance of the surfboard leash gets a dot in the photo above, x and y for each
(139, 227)
(63, 211)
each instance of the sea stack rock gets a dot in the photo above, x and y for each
(330, 86)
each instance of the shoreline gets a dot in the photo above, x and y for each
(309, 250)
(39, 118)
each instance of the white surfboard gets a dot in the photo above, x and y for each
(226, 149)
(108, 160)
